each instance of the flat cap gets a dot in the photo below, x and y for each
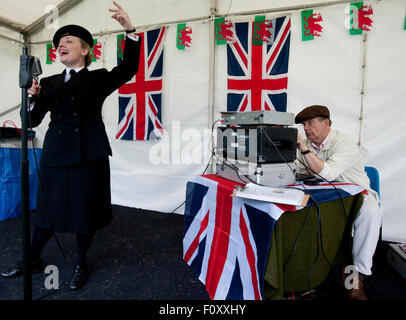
(73, 30)
(312, 112)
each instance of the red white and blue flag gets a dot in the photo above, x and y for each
(140, 99)
(226, 239)
(258, 74)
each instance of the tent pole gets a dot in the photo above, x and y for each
(3, 113)
(11, 39)
(212, 65)
(363, 75)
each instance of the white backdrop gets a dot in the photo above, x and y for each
(325, 71)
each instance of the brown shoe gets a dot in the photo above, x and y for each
(355, 289)
(357, 294)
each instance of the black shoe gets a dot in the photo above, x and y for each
(79, 277)
(37, 266)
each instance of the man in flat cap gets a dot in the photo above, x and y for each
(335, 156)
(74, 188)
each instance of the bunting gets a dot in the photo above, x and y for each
(183, 36)
(311, 25)
(224, 31)
(360, 18)
(50, 53)
(96, 51)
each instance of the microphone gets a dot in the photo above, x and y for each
(30, 96)
(36, 70)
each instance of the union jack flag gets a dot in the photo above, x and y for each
(258, 74)
(140, 98)
(226, 239)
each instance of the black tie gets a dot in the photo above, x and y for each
(72, 74)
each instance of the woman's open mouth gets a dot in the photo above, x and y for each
(63, 52)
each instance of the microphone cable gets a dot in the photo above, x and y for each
(40, 189)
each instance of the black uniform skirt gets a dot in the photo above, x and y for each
(74, 199)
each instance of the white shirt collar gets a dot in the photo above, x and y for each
(67, 73)
(323, 144)
(76, 69)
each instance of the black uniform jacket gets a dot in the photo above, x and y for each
(76, 132)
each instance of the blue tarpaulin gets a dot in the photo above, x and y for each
(10, 181)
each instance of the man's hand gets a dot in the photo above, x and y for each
(300, 143)
(313, 161)
(35, 88)
(122, 17)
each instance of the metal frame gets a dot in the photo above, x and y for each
(66, 5)
(37, 24)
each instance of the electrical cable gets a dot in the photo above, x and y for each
(51, 292)
(297, 239)
(276, 148)
(207, 166)
(319, 229)
(308, 211)
(316, 258)
(236, 169)
(319, 225)
(319, 239)
(40, 186)
(329, 182)
(211, 135)
(283, 158)
(317, 205)
(341, 200)
(47, 294)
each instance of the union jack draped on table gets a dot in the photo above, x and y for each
(226, 239)
(258, 74)
(140, 98)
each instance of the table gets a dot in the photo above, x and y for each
(234, 244)
(336, 240)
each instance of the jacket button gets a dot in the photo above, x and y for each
(75, 114)
(76, 130)
(60, 132)
(59, 116)
(72, 98)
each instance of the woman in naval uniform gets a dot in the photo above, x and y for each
(74, 190)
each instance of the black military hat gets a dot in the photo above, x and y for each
(73, 30)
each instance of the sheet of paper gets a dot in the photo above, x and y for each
(273, 194)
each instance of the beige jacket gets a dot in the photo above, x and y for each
(342, 161)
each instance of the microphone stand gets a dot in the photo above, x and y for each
(28, 68)
(25, 191)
